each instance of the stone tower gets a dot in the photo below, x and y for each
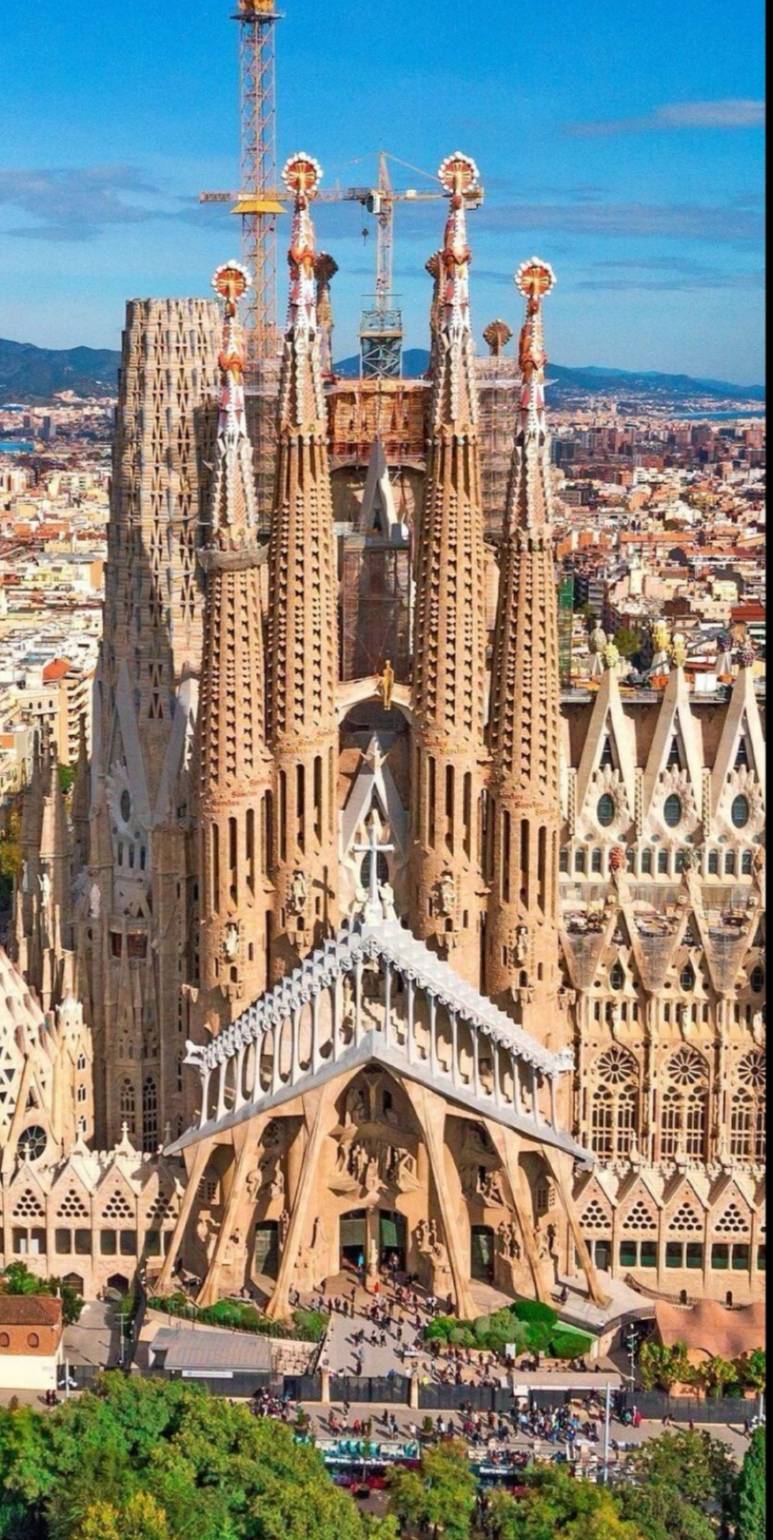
(302, 616)
(449, 666)
(523, 727)
(233, 762)
(142, 877)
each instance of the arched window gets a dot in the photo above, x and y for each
(747, 1111)
(684, 1115)
(149, 1115)
(614, 1116)
(128, 1105)
(616, 976)
(687, 977)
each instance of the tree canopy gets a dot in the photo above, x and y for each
(153, 1460)
(750, 1504)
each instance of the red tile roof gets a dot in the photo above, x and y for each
(30, 1310)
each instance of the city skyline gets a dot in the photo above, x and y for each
(641, 185)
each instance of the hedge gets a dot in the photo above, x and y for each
(305, 1326)
(526, 1324)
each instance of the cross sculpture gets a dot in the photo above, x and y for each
(373, 907)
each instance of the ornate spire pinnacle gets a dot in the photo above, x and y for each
(449, 657)
(523, 728)
(302, 631)
(301, 400)
(455, 397)
(234, 510)
(234, 764)
(529, 499)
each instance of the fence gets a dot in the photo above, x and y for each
(655, 1405)
(391, 1390)
(482, 1398)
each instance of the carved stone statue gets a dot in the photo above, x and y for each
(508, 1242)
(25, 877)
(95, 900)
(231, 940)
(44, 883)
(386, 684)
(522, 944)
(299, 891)
(446, 894)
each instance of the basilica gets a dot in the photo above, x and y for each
(357, 939)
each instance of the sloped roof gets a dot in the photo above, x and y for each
(710, 1329)
(30, 1310)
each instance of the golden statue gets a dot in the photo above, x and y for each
(386, 684)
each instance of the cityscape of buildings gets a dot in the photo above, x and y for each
(382, 849)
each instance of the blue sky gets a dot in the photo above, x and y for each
(623, 143)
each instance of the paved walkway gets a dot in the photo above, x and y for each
(95, 1338)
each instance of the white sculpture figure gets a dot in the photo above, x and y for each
(25, 877)
(446, 894)
(299, 889)
(44, 883)
(522, 944)
(597, 641)
(95, 900)
(231, 940)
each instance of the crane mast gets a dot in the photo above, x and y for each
(257, 203)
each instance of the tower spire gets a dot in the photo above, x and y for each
(235, 769)
(302, 628)
(523, 727)
(449, 659)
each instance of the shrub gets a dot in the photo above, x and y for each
(306, 1325)
(535, 1310)
(569, 1344)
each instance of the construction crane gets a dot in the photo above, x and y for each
(381, 322)
(258, 203)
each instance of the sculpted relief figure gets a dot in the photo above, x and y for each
(299, 892)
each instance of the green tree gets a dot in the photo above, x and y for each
(66, 776)
(439, 1496)
(751, 1370)
(662, 1367)
(718, 1375)
(139, 1519)
(750, 1501)
(10, 856)
(627, 642)
(686, 1468)
(559, 1505)
(153, 1460)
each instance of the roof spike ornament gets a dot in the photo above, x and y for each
(234, 509)
(449, 663)
(301, 400)
(455, 396)
(534, 279)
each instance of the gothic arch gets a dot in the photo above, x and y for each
(685, 1106)
(614, 1104)
(747, 1109)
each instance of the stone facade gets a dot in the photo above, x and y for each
(377, 953)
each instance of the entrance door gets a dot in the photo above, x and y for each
(392, 1239)
(353, 1238)
(267, 1248)
(482, 1253)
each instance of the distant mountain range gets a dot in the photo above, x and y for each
(29, 374)
(598, 381)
